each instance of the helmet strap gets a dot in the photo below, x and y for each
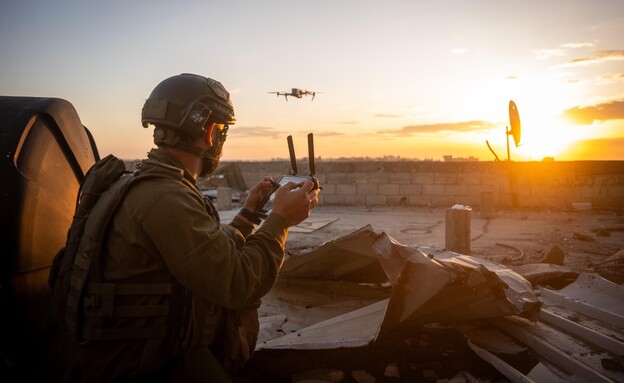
(210, 157)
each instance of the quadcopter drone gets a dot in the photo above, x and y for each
(295, 92)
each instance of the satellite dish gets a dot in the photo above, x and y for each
(514, 122)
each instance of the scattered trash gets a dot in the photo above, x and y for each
(583, 237)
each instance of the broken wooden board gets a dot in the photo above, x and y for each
(579, 336)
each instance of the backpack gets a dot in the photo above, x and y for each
(105, 184)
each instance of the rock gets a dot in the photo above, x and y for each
(392, 370)
(554, 256)
(583, 237)
(319, 376)
(362, 376)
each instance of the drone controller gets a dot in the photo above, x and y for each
(267, 203)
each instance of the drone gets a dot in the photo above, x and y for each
(295, 92)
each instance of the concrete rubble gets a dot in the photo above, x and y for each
(364, 296)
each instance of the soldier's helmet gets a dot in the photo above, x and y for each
(185, 102)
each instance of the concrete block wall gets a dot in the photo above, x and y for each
(541, 185)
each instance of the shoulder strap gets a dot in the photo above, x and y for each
(89, 243)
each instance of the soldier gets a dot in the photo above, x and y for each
(180, 291)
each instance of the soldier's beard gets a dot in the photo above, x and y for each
(210, 159)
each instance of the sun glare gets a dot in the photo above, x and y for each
(546, 137)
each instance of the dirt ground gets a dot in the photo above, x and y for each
(585, 238)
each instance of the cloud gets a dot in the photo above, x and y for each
(329, 134)
(577, 45)
(543, 54)
(255, 131)
(612, 110)
(467, 126)
(610, 78)
(599, 56)
(382, 115)
(560, 51)
(348, 122)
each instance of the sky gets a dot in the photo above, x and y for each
(410, 79)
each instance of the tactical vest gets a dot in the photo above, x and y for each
(83, 302)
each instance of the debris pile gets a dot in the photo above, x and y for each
(364, 304)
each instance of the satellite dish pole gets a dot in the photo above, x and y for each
(508, 132)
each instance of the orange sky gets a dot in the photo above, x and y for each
(405, 78)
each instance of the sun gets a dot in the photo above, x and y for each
(546, 137)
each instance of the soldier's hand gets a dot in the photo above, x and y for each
(293, 201)
(257, 193)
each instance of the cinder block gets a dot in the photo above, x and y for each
(376, 200)
(433, 189)
(328, 188)
(343, 188)
(410, 189)
(336, 177)
(400, 178)
(419, 200)
(397, 200)
(457, 190)
(358, 178)
(445, 178)
(355, 199)
(442, 200)
(333, 199)
(472, 178)
(378, 178)
(423, 178)
(389, 189)
(367, 189)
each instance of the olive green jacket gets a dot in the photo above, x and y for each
(163, 232)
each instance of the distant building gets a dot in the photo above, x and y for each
(449, 158)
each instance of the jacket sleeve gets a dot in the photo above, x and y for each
(201, 255)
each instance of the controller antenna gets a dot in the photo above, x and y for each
(293, 159)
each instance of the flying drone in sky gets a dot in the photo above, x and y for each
(296, 92)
